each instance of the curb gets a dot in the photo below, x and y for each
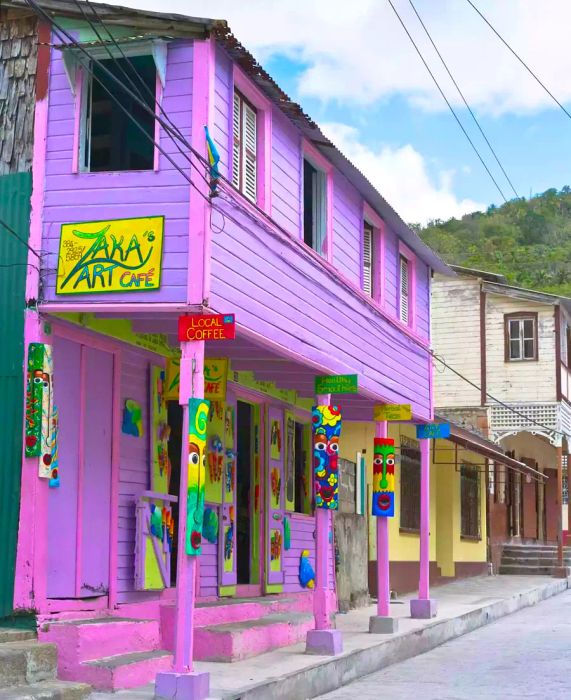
(336, 672)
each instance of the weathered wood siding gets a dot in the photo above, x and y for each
(456, 338)
(18, 58)
(520, 381)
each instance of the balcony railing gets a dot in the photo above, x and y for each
(552, 420)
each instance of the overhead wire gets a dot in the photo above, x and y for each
(481, 130)
(450, 107)
(523, 63)
(14, 233)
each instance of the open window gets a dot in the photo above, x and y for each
(112, 141)
(520, 337)
(315, 208)
(244, 154)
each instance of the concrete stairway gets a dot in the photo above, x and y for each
(109, 653)
(237, 629)
(531, 559)
(28, 670)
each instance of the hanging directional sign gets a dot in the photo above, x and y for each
(392, 411)
(336, 384)
(207, 327)
(433, 430)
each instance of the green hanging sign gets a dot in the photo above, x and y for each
(337, 384)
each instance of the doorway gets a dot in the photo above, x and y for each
(244, 451)
(175, 449)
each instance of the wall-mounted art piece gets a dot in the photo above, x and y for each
(197, 422)
(215, 458)
(132, 419)
(306, 572)
(290, 462)
(287, 534)
(229, 540)
(230, 470)
(383, 503)
(276, 545)
(154, 535)
(326, 428)
(210, 525)
(160, 432)
(276, 440)
(54, 481)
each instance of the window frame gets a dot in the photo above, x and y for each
(321, 164)
(371, 218)
(405, 252)
(263, 108)
(521, 316)
(411, 444)
(464, 478)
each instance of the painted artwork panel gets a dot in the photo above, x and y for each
(289, 462)
(197, 424)
(215, 453)
(215, 378)
(159, 432)
(34, 399)
(383, 501)
(118, 255)
(276, 439)
(229, 477)
(153, 545)
(326, 427)
(275, 500)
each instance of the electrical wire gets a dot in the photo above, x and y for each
(463, 98)
(523, 63)
(22, 241)
(441, 91)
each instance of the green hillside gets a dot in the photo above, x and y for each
(528, 241)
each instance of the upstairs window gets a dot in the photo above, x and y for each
(521, 337)
(113, 142)
(244, 175)
(404, 289)
(315, 208)
(368, 259)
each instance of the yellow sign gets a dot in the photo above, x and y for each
(215, 378)
(393, 411)
(120, 255)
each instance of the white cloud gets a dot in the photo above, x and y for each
(401, 176)
(358, 51)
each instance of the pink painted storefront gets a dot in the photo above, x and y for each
(323, 278)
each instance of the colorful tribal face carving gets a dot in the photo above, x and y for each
(197, 421)
(384, 477)
(326, 431)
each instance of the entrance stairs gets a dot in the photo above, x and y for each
(238, 628)
(108, 653)
(28, 670)
(532, 559)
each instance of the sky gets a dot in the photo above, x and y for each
(354, 70)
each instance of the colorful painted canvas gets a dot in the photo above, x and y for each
(197, 422)
(326, 427)
(153, 544)
(384, 477)
(160, 432)
(132, 419)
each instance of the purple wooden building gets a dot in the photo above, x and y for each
(323, 277)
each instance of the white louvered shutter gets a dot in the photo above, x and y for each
(368, 260)
(237, 141)
(249, 152)
(404, 287)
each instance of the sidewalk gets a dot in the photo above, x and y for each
(289, 674)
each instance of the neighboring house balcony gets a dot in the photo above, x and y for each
(551, 420)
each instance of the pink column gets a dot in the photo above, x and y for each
(182, 682)
(423, 607)
(383, 579)
(323, 639)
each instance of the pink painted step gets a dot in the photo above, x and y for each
(235, 641)
(109, 653)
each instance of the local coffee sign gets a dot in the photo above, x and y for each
(207, 327)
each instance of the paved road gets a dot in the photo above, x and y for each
(524, 655)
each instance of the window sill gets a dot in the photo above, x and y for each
(471, 538)
(408, 531)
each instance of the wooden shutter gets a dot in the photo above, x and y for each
(404, 289)
(249, 152)
(237, 141)
(368, 260)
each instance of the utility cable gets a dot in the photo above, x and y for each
(441, 91)
(22, 241)
(523, 63)
(463, 98)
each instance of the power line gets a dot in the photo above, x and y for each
(523, 63)
(22, 241)
(441, 91)
(463, 98)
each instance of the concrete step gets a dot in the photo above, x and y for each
(84, 640)
(27, 661)
(517, 548)
(235, 641)
(14, 634)
(533, 558)
(515, 570)
(123, 671)
(47, 690)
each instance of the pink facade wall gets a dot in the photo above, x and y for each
(71, 198)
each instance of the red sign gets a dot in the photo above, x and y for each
(207, 327)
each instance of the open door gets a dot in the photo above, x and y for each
(275, 497)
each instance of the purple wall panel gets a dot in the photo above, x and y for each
(302, 529)
(209, 568)
(286, 175)
(422, 299)
(221, 132)
(347, 229)
(391, 271)
(283, 294)
(96, 488)
(62, 502)
(91, 196)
